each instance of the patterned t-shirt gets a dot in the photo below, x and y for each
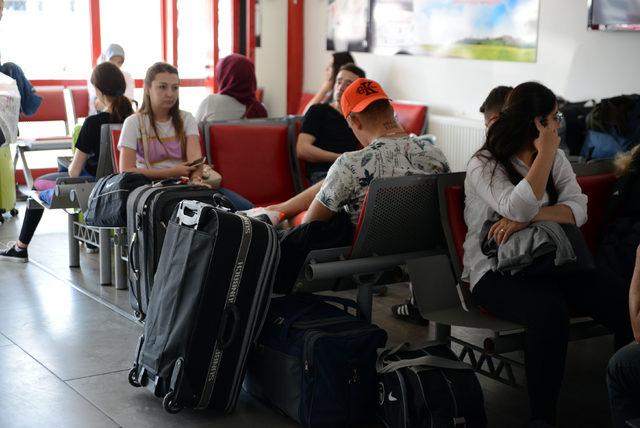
(164, 152)
(349, 177)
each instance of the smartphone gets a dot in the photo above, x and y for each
(197, 162)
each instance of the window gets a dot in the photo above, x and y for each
(136, 26)
(195, 38)
(48, 39)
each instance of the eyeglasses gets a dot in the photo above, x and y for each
(558, 116)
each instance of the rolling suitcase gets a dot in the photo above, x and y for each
(149, 209)
(7, 184)
(211, 295)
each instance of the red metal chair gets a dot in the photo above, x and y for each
(254, 158)
(80, 103)
(412, 117)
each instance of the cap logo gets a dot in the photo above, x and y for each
(367, 88)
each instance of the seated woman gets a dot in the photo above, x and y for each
(517, 177)
(325, 94)
(325, 134)
(161, 141)
(110, 87)
(236, 97)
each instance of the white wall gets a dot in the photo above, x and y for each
(271, 57)
(574, 62)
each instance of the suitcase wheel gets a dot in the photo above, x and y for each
(139, 316)
(132, 378)
(169, 405)
(13, 212)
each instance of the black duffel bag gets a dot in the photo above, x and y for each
(428, 388)
(108, 200)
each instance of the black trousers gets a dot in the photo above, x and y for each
(544, 304)
(31, 220)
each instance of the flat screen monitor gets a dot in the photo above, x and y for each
(614, 15)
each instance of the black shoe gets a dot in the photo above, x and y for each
(409, 313)
(13, 255)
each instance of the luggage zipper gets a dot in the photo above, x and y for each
(457, 420)
(306, 325)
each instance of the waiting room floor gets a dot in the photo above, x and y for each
(66, 345)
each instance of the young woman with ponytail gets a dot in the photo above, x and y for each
(110, 87)
(519, 176)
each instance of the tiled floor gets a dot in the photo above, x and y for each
(65, 354)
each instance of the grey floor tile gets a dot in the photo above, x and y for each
(137, 407)
(30, 396)
(78, 343)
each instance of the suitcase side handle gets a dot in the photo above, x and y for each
(231, 314)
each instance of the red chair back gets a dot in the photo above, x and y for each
(52, 108)
(253, 158)
(304, 100)
(454, 196)
(412, 117)
(80, 97)
(598, 189)
(115, 137)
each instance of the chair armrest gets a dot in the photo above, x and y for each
(75, 180)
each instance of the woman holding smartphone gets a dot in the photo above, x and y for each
(161, 141)
(519, 176)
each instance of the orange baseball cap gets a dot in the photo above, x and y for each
(360, 94)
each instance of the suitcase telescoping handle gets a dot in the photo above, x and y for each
(231, 315)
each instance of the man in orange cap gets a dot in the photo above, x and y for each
(388, 151)
(336, 202)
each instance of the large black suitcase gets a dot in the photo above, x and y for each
(211, 295)
(149, 209)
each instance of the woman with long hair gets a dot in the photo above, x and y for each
(110, 88)
(236, 97)
(161, 141)
(519, 176)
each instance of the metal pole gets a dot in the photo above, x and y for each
(105, 255)
(74, 245)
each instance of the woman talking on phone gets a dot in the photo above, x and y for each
(161, 141)
(516, 178)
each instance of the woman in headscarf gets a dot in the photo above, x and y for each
(236, 97)
(115, 55)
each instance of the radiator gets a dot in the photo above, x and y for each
(458, 138)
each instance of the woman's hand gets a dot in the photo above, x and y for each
(548, 138)
(183, 170)
(504, 228)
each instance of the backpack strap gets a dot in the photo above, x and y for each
(145, 140)
(385, 366)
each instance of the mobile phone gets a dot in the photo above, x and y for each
(197, 162)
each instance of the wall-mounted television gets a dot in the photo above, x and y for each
(614, 15)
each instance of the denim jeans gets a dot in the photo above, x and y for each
(29, 101)
(623, 380)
